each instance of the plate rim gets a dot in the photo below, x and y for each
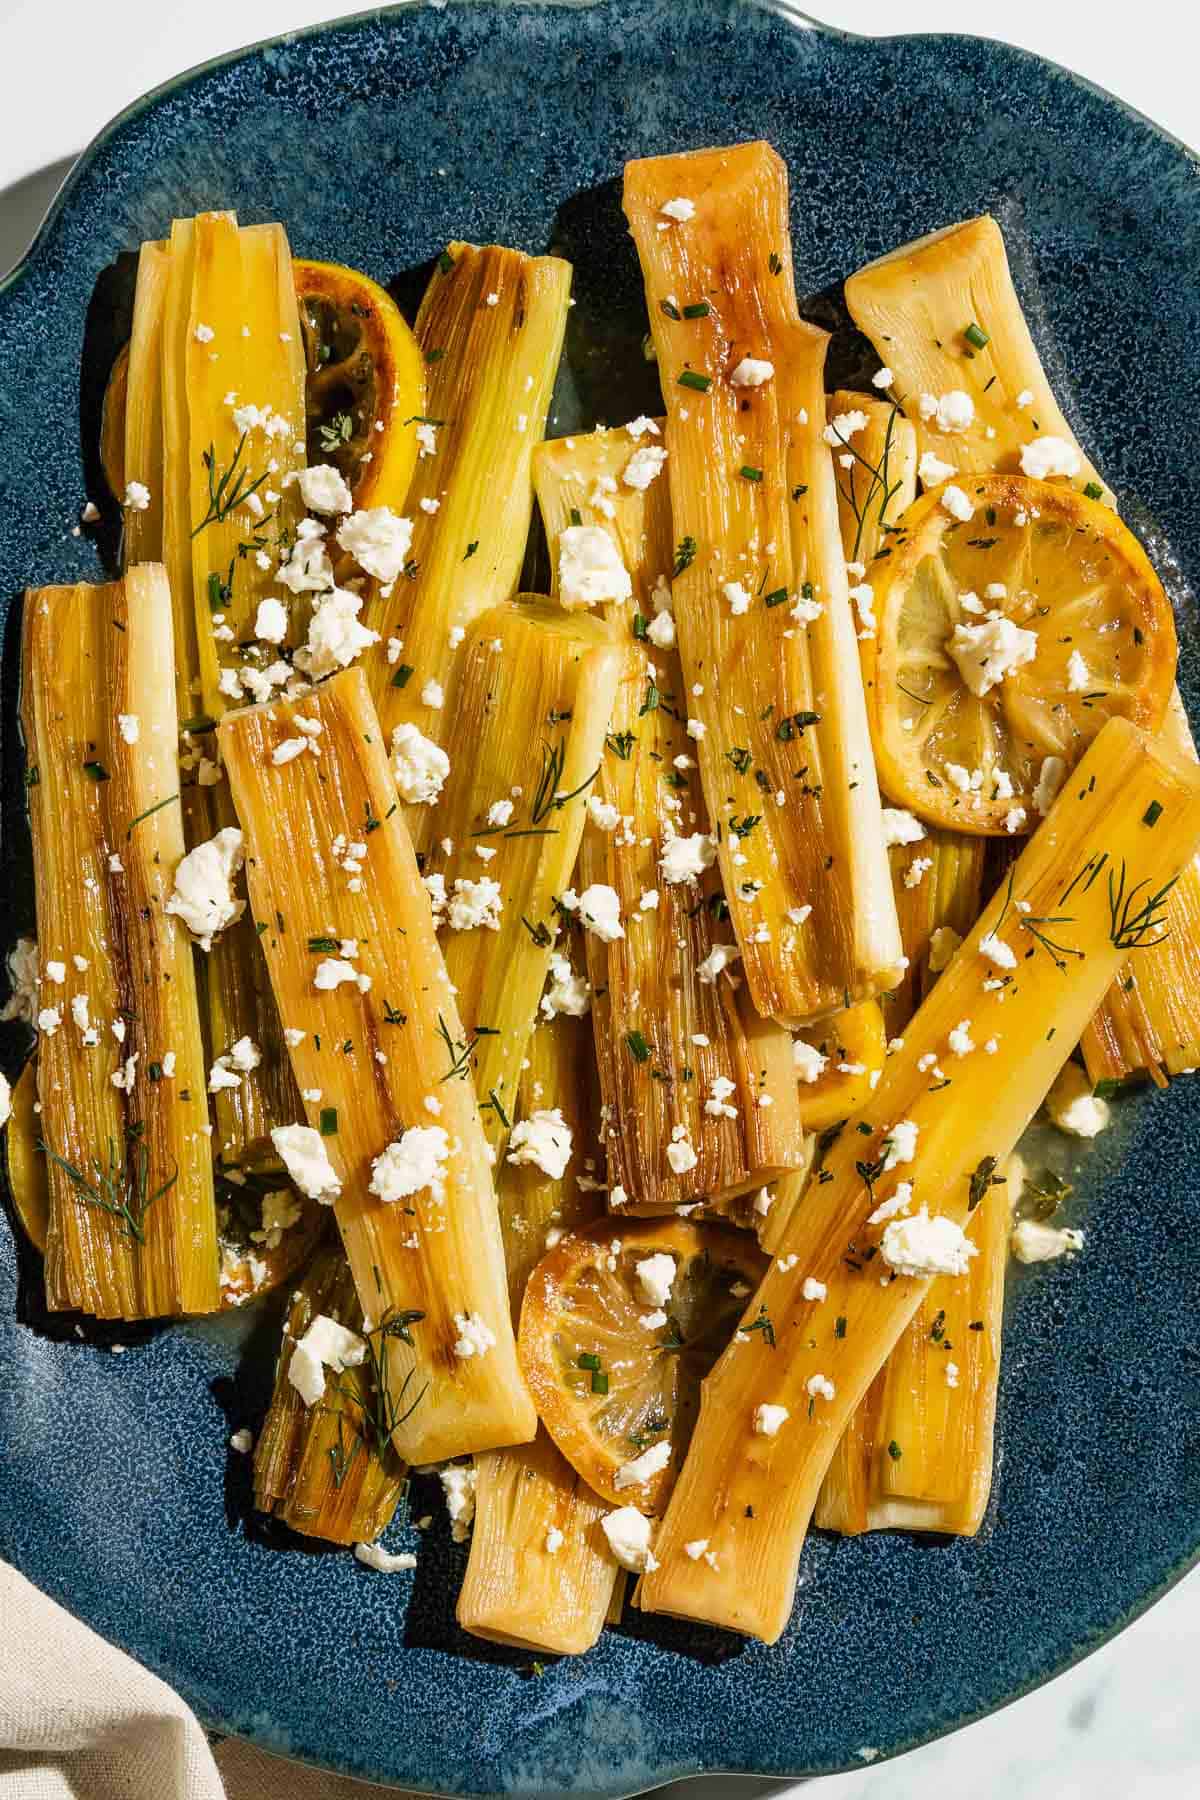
(389, 16)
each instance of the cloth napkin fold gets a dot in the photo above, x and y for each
(80, 1720)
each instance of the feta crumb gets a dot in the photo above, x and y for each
(137, 496)
(1078, 674)
(242, 1441)
(1046, 457)
(901, 1144)
(901, 827)
(737, 596)
(883, 378)
(769, 1419)
(661, 631)
(326, 1344)
(680, 1155)
(433, 694)
(921, 1246)
(590, 569)
(686, 858)
(1033, 1242)
(323, 489)
(814, 1289)
(717, 960)
(542, 1138)
(475, 1338)
(995, 951)
(203, 892)
(271, 621)
(642, 1469)
(752, 371)
(303, 1154)
(644, 466)
(656, 1277)
(1073, 1106)
(602, 813)
(565, 992)
(419, 765)
(130, 727)
(600, 909)
(956, 503)
(917, 870)
(379, 540)
(987, 652)
(959, 1040)
(458, 1486)
(809, 1062)
(819, 1387)
(899, 1202)
(387, 1563)
(628, 1532)
(680, 210)
(696, 1548)
(954, 411)
(414, 1161)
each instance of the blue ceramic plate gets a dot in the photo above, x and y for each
(375, 140)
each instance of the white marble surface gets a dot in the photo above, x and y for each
(1123, 1725)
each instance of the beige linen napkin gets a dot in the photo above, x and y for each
(80, 1720)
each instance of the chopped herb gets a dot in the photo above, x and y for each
(589, 1360)
(32, 776)
(620, 743)
(775, 263)
(322, 943)
(699, 309)
(599, 1382)
(402, 676)
(114, 1191)
(1043, 1194)
(795, 725)
(671, 311)
(328, 1121)
(692, 378)
(650, 703)
(157, 807)
(799, 491)
(740, 758)
(336, 433)
(445, 262)
(983, 1177)
(839, 1326)
(539, 933)
(96, 770)
(1093, 491)
(741, 828)
(434, 356)
(685, 555)
(750, 474)
(227, 490)
(392, 1014)
(894, 1451)
(154, 1071)
(493, 1101)
(639, 627)
(977, 337)
(639, 1048)
(1131, 925)
(1152, 814)
(776, 597)
(470, 550)
(763, 1323)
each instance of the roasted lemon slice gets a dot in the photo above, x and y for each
(366, 381)
(366, 385)
(25, 1162)
(619, 1326)
(838, 1063)
(1006, 639)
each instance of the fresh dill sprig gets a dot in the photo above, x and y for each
(227, 489)
(1132, 924)
(114, 1191)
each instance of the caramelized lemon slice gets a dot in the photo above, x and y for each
(620, 1324)
(1006, 640)
(366, 381)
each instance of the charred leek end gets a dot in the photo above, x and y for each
(938, 883)
(559, 1074)
(133, 413)
(25, 1160)
(490, 328)
(321, 1468)
(121, 1076)
(1149, 1023)
(534, 697)
(838, 1063)
(380, 1041)
(934, 1400)
(760, 594)
(1084, 870)
(540, 1574)
(233, 417)
(924, 308)
(679, 1045)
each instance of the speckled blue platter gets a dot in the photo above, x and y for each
(374, 141)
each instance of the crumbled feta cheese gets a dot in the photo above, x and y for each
(602, 813)
(995, 951)
(242, 1441)
(1014, 819)
(641, 425)
(379, 540)
(917, 870)
(600, 909)
(686, 858)
(542, 1138)
(475, 905)
(810, 1064)
(814, 1289)
(288, 751)
(331, 972)
(458, 1486)
(129, 726)
(737, 596)
(565, 992)
(644, 466)
(628, 1532)
(959, 1040)
(1046, 457)
(900, 1202)
(956, 503)
(56, 972)
(303, 1154)
(680, 1155)
(307, 568)
(1073, 1106)
(642, 1469)
(499, 813)
(433, 694)
(475, 1337)
(819, 1387)
(680, 210)
(554, 1541)
(752, 371)
(415, 1160)
(271, 621)
(137, 496)
(901, 827)
(1033, 1242)
(661, 631)
(717, 960)
(335, 636)
(696, 728)
(921, 1245)
(326, 1344)
(769, 1419)
(1078, 674)
(987, 652)
(1053, 774)
(323, 489)
(385, 1561)
(590, 569)
(656, 1277)
(954, 411)
(49, 1020)
(900, 1145)
(717, 1105)
(203, 892)
(419, 765)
